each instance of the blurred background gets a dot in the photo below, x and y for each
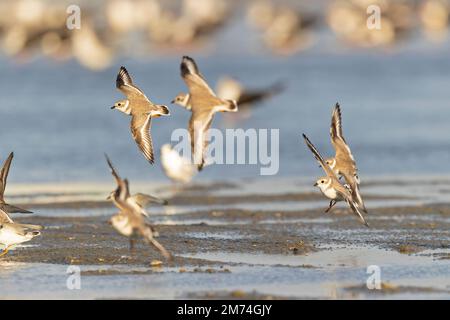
(58, 84)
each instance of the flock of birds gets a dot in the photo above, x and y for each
(132, 219)
(284, 27)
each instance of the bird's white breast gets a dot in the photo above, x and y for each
(328, 190)
(122, 226)
(9, 237)
(329, 193)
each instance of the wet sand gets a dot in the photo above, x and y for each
(285, 247)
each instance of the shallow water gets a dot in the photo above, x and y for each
(319, 274)
(396, 118)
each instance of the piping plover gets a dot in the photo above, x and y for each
(12, 233)
(130, 220)
(141, 109)
(204, 104)
(343, 163)
(139, 200)
(331, 187)
(176, 167)
(231, 89)
(3, 177)
(182, 99)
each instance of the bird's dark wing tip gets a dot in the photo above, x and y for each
(150, 158)
(123, 77)
(107, 159)
(188, 66)
(337, 108)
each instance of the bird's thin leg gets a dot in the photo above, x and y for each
(5, 251)
(160, 247)
(131, 245)
(332, 203)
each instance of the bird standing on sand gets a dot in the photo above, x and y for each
(343, 163)
(204, 104)
(141, 109)
(12, 233)
(130, 220)
(331, 187)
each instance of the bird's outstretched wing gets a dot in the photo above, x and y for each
(193, 78)
(319, 159)
(4, 175)
(140, 130)
(125, 84)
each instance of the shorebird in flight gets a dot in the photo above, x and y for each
(3, 177)
(139, 201)
(177, 168)
(332, 188)
(130, 220)
(141, 109)
(230, 88)
(203, 103)
(343, 163)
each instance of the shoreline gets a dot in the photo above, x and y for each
(267, 241)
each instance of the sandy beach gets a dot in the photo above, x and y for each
(233, 240)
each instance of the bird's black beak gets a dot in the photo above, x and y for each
(315, 184)
(172, 102)
(113, 107)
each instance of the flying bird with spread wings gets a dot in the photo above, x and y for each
(203, 103)
(331, 187)
(130, 221)
(141, 109)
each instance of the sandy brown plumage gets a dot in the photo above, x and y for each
(331, 187)
(204, 104)
(141, 109)
(344, 163)
(132, 215)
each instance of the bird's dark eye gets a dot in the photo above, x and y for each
(322, 181)
(119, 104)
